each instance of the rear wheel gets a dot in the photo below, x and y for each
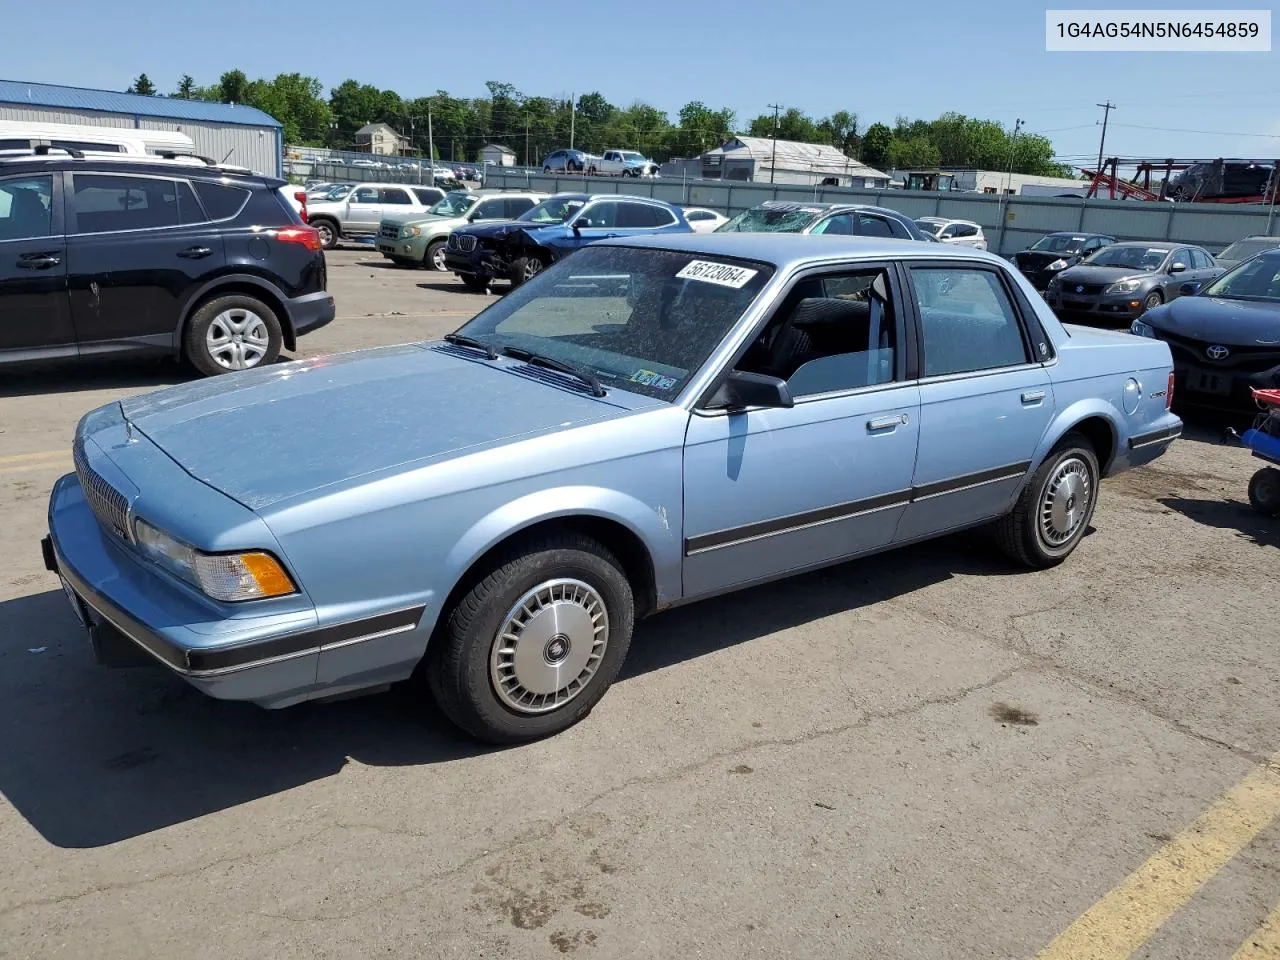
(1264, 491)
(434, 258)
(233, 332)
(1053, 512)
(531, 647)
(328, 231)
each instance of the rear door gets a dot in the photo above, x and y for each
(35, 318)
(137, 247)
(985, 396)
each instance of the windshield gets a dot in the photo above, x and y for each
(337, 193)
(1132, 258)
(771, 220)
(553, 210)
(1257, 279)
(454, 205)
(639, 320)
(1058, 244)
(1244, 249)
(929, 227)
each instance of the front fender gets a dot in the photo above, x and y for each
(657, 527)
(1076, 413)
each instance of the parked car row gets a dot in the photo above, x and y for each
(610, 163)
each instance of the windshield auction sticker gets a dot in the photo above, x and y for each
(724, 274)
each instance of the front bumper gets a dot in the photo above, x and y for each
(403, 248)
(480, 263)
(1038, 277)
(1100, 308)
(269, 658)
(311, 312)
(1219, 387)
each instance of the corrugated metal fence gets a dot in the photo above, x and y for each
(1025, 219)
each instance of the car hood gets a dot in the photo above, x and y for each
(404, 219)
(504, 228)
(1241, 323)
(1092, 273)
(268, 435)
(1042, 258)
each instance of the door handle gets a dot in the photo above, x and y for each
(1032, 396)
(38, 261)
(194, 253)
(887, 423)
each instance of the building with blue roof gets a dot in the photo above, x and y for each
(227, 132)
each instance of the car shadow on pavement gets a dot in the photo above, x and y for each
(456, 286)
(91, 756)
(1229, 515)
(76, 377)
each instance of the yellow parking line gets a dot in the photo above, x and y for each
(43, 455)
(1265, 942)
(62, 464)
(1124, 919)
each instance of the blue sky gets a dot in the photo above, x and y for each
(917, 58)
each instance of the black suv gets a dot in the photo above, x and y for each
(177, 257)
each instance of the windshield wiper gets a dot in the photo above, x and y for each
(462, 340)
(551, 363)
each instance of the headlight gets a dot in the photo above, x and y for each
(1124, 286)
(1058, 265)
(1140, 329)
(411, 231)
(231, 577)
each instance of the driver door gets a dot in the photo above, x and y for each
(364, 210)
(772, 491)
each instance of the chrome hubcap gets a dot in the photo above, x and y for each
(1065, 502)
(550, 646)
(326, 235)
(532, 267)
(237, 339)
(437, 257)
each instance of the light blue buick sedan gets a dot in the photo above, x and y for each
(649, 422)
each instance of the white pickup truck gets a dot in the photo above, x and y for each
(621, 163)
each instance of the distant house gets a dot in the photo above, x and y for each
(381, 138)
(498, 155)
(763, 159)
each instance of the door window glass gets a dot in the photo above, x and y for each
(873, 226)
(831, 333)
(490, 210)
(636, 215)
(365, 195)
(396, 195)
(603, 214)
(517, 206)
(188, 207)
(840, 225)
(26, 208)
(967, 320)
(104, 204)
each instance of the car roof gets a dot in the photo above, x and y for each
(786, 250)
(587, 197)
(1152, 244)
(823, 206)
(116, 162)
(1075, 233)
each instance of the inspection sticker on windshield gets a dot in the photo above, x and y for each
(723, 274)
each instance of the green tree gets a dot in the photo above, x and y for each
(233, 87)
(841, 131)
(701, 129)
(792, 124)
(186, 88)
(913, 152)
(875, 145)
(143, 86)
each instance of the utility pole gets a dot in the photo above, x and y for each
(526, 138)
(1106, 112)
(774, 159)
(1008, 185)
(431, 146)
(573, 111)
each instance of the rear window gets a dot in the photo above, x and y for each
(222, 201)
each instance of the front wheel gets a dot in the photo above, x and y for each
(531, 647)
(1153, 300)
(1053, 512)
(524, 269)
(1264, 491)
(434, 258)
(230, 333)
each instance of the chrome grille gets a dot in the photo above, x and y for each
(390, 232)
(108, 504)
(465, 243)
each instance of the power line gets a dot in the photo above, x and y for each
(1207, 133)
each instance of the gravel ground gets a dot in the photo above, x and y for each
(926, 754)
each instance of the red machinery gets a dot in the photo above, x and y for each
(1198, 181)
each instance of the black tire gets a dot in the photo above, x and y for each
(462, 663)
(591, 171)
(546, 169)
(329, 232)
(433, 259)
(228, 311)
(475, 284)
(1021, 533)
(1264, 491)
(1152, 300)
(524, 269)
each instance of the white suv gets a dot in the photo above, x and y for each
(962, 233)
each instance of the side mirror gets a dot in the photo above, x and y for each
(1189, 289)
(580, 223)
(1178, 267)
(743, 389)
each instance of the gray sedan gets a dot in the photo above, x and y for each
(1124, 280)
